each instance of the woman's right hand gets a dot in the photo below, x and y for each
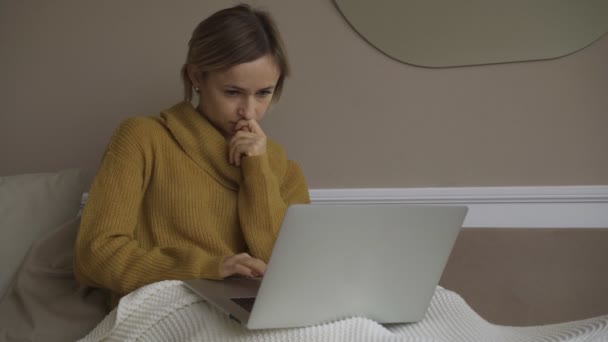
(242, 264)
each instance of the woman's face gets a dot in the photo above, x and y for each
(242, 92)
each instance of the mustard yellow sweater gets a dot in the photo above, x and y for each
(166, 204)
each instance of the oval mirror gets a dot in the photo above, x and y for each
(443, 33)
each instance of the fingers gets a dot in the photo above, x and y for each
(250, 125)
(242, 125)
(240, 145)
(245, 144)
(242, 264)
(256, 266)
(245, 271)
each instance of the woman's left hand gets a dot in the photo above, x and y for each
(249, 140)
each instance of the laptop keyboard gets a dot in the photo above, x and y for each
(245, 303)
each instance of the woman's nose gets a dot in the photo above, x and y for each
(247, 109)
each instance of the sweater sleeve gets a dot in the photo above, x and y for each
(107, 254)
(263, 201)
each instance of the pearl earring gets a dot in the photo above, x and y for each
(196, 89)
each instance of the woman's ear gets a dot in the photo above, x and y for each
(193, 75)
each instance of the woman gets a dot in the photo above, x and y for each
(196, 192)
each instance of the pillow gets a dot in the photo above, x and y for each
(31, 205)
(45, 302)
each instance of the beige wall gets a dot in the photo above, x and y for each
(71, 70)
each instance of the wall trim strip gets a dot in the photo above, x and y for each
(494, 207)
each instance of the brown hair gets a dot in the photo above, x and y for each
(233, 36)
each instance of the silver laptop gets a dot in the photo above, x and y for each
(331, 261)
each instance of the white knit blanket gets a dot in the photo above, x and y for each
(168, 311)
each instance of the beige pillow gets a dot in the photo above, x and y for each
(45, 302)
(30, 206)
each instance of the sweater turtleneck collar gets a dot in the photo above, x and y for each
(202, 142)
(207, 147)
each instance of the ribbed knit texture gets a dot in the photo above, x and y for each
(168, 311)
(166, 204)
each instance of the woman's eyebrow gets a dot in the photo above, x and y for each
(243, 89)
(229, 86)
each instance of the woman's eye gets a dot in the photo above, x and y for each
(231, 92)
(265, 93)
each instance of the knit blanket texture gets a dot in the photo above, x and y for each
(168, 311)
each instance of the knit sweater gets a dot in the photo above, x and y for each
(166, 203)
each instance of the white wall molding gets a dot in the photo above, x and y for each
(511, 207)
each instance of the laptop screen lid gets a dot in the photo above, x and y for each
(332, 261)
